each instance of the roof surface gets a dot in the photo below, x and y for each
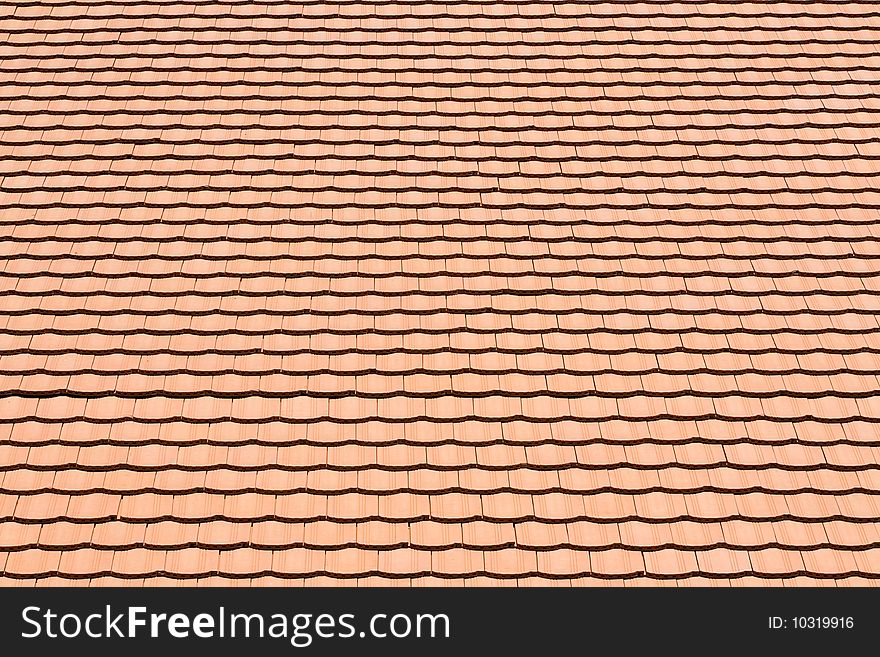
(460, 292)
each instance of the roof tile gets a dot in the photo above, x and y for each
(580, 316)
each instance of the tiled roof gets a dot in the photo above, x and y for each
(470, 292)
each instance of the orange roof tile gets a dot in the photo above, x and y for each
(439, 293)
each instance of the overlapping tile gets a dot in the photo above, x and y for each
(466, 294)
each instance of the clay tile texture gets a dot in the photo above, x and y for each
(461, 292)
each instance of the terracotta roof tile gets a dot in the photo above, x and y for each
(587, 314)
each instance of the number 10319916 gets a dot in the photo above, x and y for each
(811, 623)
